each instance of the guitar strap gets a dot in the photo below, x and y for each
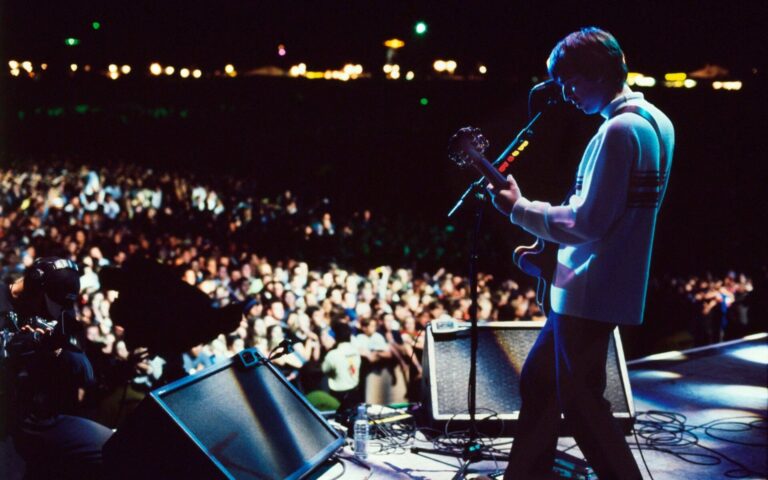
(649, 118)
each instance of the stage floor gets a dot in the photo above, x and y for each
(701, 415)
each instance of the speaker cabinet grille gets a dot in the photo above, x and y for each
(225, 422)
(503, 348)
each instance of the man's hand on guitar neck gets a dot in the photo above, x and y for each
(505, 199)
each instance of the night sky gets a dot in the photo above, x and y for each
(509, 37)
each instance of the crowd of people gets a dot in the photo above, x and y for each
(355, 327)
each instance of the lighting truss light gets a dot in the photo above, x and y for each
(125, 69)
(482, 69)
(155, 69)
(73, 67)
(439, 65)
(112, 68)
(169, 70)
(184, 72)
(197, 73)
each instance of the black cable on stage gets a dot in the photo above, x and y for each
(357, 462)
(337, 459)
(665, 431)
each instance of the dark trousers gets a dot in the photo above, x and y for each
(565, 372)
(348, 399)
(64, 447)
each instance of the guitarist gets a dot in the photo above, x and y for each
(605, 235)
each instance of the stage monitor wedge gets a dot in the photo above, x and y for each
(230, 421)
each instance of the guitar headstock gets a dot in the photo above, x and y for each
(464, 142)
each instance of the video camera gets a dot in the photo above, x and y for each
(46, 304)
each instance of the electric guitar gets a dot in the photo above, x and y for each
(466, 148)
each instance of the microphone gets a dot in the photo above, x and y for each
(545, 85)
(285, 347)
(544, 94)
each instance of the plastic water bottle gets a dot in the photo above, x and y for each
(361, 432)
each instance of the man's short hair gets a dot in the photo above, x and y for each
(591, 52)
(341, 332)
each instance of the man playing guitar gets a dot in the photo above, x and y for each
(605, 236)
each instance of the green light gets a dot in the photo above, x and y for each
(96, 25)
(424, 101)
(71, 42)
(420, 28)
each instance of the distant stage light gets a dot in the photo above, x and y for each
(169, 70)
(281, 50)
(184, 72)
(394, 43)
(44, 66)
(114, 75)
(72, 42)
(424, 101)
(395, 74)
(87, 68)
(96, 25)
(27, 65)
(645, 81)
(689, 83)
(675, 77)
(112, 68)
(450, 66)
(229, 68)
(439, 65)
(197, 73)
(387, 69)
(410, 75)
(73, 67)
(13, 64)
(155, 69)
(420, 28)
(15, 72)
(125, 69)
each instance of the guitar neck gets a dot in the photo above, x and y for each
(488, 171)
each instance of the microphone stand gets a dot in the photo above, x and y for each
(473, 450)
